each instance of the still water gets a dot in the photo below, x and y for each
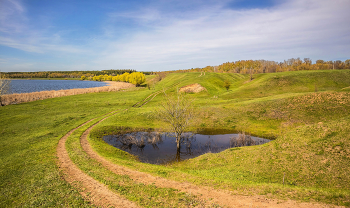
(26, 86)
(161, 148)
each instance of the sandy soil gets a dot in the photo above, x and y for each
(122, 85)
(194, 88)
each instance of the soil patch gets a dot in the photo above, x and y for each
(192, 88)
(121, 85)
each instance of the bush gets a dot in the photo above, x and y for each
(135, 78)
(227, 84)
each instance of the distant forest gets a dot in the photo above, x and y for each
(263, 66)
(68, 74)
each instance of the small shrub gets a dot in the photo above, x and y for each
(227, 84)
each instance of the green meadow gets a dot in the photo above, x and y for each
(305, 113)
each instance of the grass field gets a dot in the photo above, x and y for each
(306, 113)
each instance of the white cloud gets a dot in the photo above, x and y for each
(11, 16)
(13, 43)
(209, 35)
(212, 36)
(15, 32)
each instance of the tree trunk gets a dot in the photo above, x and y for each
(178, 139)
(178, 158)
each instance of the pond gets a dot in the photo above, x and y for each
(160, 148)
(26, 86)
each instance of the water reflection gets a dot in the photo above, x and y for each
(160, 148)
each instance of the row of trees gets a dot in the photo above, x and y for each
(264, 66)
(67, 74)
(135, 78)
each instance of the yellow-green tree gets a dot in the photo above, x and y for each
(124, 77)
(137, 78)
(115, 78)
(97, 78)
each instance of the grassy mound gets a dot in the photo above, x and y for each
(292, 82)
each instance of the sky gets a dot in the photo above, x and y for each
(159, 35)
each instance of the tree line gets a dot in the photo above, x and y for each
(135, 78)
(68, 74)
(264, 66)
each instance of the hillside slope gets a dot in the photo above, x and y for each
(309, 156)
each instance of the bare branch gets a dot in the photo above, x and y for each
(4, 86)
(176, 110)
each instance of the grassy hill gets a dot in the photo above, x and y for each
(311, 146)
(306, 113)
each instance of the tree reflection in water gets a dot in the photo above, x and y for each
(161, 148)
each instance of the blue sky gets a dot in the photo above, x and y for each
(45, 35)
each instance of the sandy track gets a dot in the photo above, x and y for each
(221, 197)
(91, 189)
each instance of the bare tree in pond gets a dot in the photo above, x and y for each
(4, 86)
(177, 111)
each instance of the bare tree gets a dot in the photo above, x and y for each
(4, 86)
(177, 111)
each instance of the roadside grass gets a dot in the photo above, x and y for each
(144, 195)
(313, 161)
(29, 134)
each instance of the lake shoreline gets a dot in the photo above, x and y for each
(17, 98)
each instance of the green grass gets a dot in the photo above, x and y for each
(28, 141)
(307, 113)
(292, 82)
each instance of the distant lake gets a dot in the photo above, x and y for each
(26, 86)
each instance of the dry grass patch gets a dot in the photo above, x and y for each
(192, 88)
